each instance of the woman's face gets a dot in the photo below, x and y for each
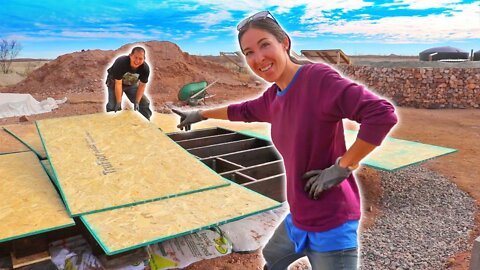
(264, 54)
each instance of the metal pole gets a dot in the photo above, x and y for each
(475, 258)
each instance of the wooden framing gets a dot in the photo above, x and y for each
(335, 56)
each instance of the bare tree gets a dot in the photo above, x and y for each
(8, 51)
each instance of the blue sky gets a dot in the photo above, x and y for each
(47, 29)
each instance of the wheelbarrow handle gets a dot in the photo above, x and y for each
(203, 90)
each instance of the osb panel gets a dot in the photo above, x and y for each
(394, 154)
(168, 123)
(125, 228)
(28, 134)
(8, 143)
(103, 161)
(30, 203)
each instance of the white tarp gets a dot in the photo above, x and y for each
(24, 104)
(244, 235)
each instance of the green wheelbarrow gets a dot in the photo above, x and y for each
(193, 93)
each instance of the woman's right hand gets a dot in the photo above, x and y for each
(188, 118)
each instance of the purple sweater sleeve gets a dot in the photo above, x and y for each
(255, 110)
(353, 101)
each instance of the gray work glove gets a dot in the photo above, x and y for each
(118, 106)
(188, 118)
(320, 180)
(136, 106)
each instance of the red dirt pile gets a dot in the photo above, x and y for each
(85, 72)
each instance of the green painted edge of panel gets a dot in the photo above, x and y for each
(15, 152)
(150, 200)
(376, 165)
(255, 134)
(25, 143)
(54, 172)
(40, 231)
(70, 213)
(6, 153)
(161, 239)
(47, 171)
(36, 232)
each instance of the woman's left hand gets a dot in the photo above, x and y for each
(320, 180)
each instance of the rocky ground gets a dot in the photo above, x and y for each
(425, 219)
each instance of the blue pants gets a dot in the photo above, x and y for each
(131, 93)
(279, 253)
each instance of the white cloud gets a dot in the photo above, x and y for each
(302, 34)
(103, 35)
(187, 7)
(462, 23)
(18, 37)
(205, 39)
(282, 6)
(209, 19)
(152, 5)
(156, 32)
(182, 35)
(424, 4)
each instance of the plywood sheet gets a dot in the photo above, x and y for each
(395, 154)
(28, 135)
(104, 161)
(30, 205)
(8, 143)
(127, 228)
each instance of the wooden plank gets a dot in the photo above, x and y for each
(8, 143)
(335, 56)
(28, 135)
(127, 228)
(30, 245)
(30, 205)
(475, 261)
(29, 260)
(104, 161)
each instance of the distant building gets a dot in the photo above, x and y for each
(476, 56)
(443, 53)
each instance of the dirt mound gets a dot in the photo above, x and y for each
(85, 71)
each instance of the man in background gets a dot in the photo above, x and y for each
(129, 75)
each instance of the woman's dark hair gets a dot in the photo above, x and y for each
(273, 28)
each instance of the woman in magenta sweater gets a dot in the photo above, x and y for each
(305, 106)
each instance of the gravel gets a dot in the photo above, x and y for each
(425, 219)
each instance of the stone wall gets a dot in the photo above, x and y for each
(421, 87)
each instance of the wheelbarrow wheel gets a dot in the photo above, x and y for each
(193, 102)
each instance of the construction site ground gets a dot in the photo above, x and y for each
(459, 129)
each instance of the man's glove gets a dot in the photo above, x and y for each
(136, 106)
(320, 180)
(188, 118)
(118, 106)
